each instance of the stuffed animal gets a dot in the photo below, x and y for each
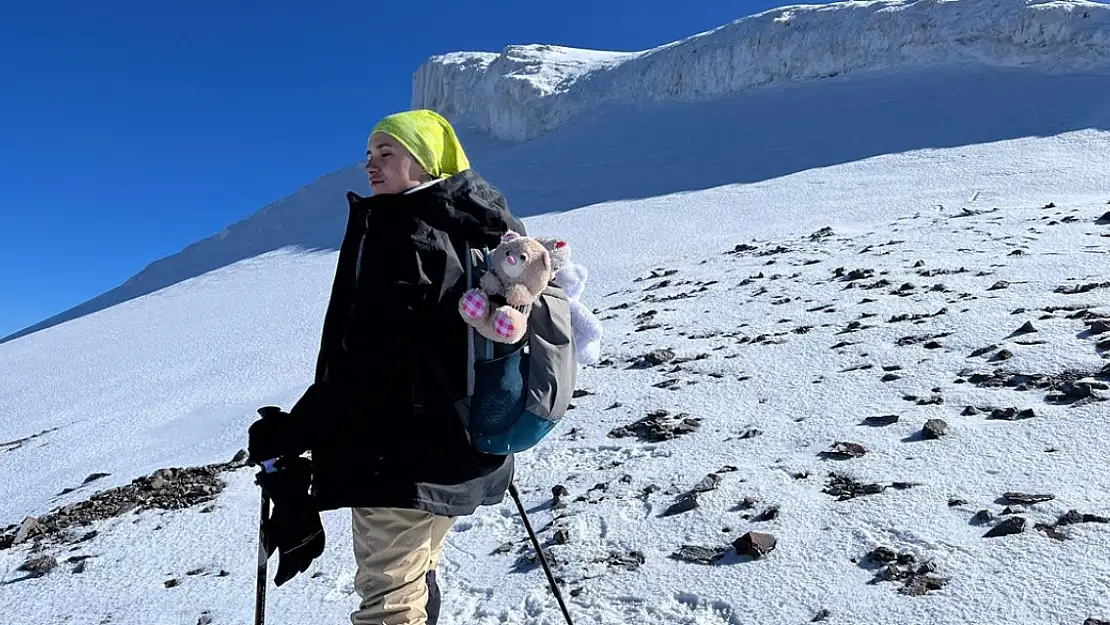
(520, 269)
(572, 277)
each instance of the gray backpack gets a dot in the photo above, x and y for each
(518, 393)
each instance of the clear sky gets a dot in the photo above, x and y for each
(130, 129)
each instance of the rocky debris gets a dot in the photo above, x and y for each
(932, 273)
(1011, 414)
(755, 545)
(890, 377)
(630, 560)
(917, 579)
(653, 359)
(39, 566)
(1009, 527)
(880, 421)
(1003, 354)
(658, 426)
(934, 429)
(853, 275)
(1077, 391)
(165, 489)
(922, 338)
(821, 616)
(1095, 621)
(1073, 517)
(1013, 498)
(171, 583)
(823, 233)
(205, 618)
(1026, 328)
(1082, 288)
(998, 286)
(956, 501)
(707, 483)
(982, 517)
(769, 514)
(844, 487)
(842, 450)
(689, 500)
(982, 351)
(1099, 327)
(20, 442)
(698, 554)
(1050, 531)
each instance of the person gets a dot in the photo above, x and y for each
(380, 419)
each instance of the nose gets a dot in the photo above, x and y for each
(511, 260)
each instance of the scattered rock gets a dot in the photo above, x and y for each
(755, 545)
(769, 514)
(39, 566)
(685, 503)
(1011, 414)
(654, 359)
(890, 377)
(205, 618)
(844, 487)
(844, 451)
(881, 421)
(1003, 354)
(699, 555)
(1024, 498)
(955, 501)
(982, 517)
(239, 457)
(1026, 328)
(708, 483)
(658, 426)
(821, 616)
(1073, 517)
(1050, 531)
(30, 527)
(934, 429)
(1104, 220)
(1012, 525)
(631, 560)
(1000, 285)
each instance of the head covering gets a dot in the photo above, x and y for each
(429, 137)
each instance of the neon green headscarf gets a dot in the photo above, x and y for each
(429, 137)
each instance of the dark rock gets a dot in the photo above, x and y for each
(1104, 220)
(39, 566)
(631, 560)
(1073, 516)
(844, 450)
(1026, 328)
(953, 502)
(1100, 327)
(1011, 414)
(708, 483)
(970, 411)
(934, 429)
(1012, 525)
(755, 544)
(30, 527)
(982, 350)
(844, 487)
(171, 583)
(658, 426)
(1092, 620)
(1050, 531)
(770, 514)
(1004, 354)
(1000, 285)
(1025, 499)
(982, 517)
(882, 555)
(685, 503)
(654, 359)
(750, 433)
(919, 585)
(205, 619)
(890, 377)
(699, 555)
(821, 616)
(880, 421)
(561, 537)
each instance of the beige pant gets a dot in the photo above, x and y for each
(395, 549)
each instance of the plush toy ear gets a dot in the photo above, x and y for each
(560, 244)
(509, 236)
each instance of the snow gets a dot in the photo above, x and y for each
(890, 161)
(527, 91)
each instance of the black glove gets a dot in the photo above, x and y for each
(293, 529)
(276, 434)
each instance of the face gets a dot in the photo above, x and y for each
(392, 168)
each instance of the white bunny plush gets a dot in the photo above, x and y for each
(572, 278)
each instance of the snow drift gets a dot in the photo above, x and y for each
(526, 91)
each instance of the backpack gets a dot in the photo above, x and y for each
(516, 394)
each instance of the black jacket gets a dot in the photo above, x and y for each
(393, 356)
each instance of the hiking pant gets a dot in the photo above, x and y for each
(397, 551)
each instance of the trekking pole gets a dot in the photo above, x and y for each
(260, 592)
(539, 552)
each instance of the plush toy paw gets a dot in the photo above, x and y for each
(503, 325)
(474, 304)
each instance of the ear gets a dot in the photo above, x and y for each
(560, 244)
(509, 236)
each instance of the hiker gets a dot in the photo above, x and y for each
(380, 418)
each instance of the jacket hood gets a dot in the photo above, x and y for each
(464, 205)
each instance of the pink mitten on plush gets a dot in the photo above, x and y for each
(474, 305)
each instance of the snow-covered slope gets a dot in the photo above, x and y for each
(172, 379)
(526, 91)
(653, 149)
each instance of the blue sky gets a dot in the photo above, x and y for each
(131, 129)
